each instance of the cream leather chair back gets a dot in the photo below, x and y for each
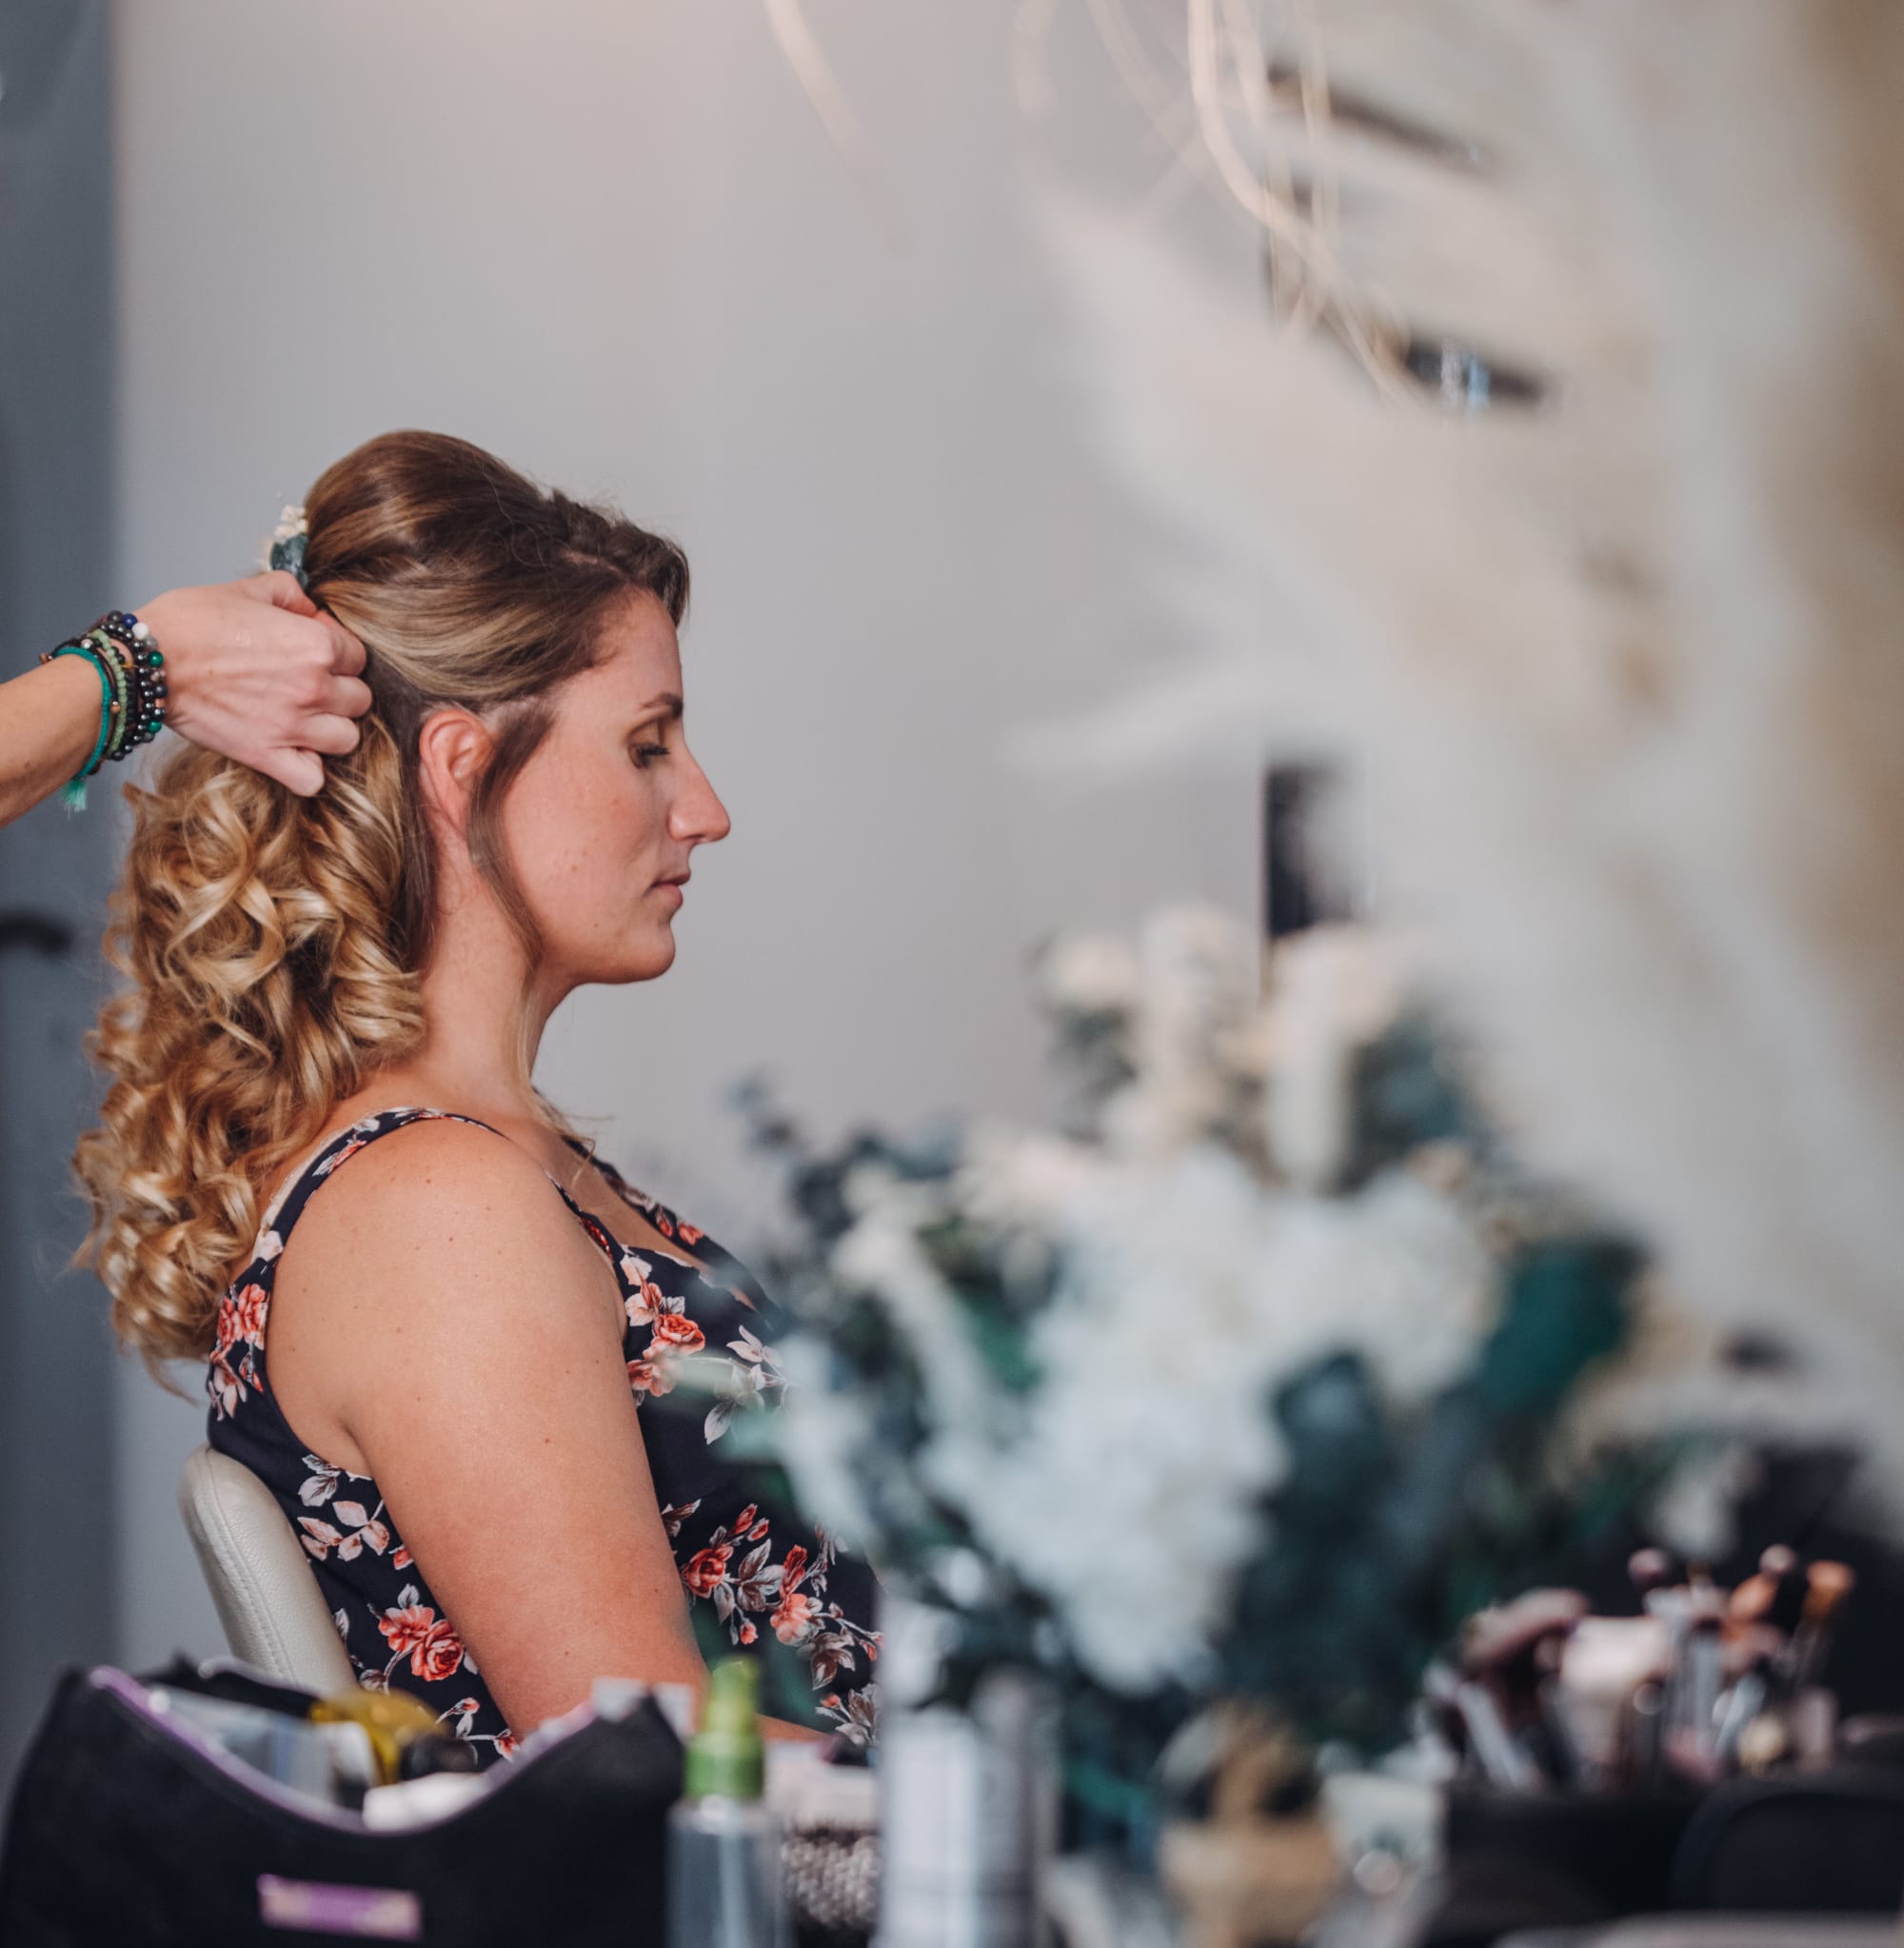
(274, 1616)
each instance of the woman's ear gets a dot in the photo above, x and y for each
(453, 745)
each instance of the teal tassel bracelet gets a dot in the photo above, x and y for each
(132, 692)
(72, 793)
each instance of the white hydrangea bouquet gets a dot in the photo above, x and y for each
(1248, 1380)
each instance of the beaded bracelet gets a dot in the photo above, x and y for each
(146, 667)
(132, 691)
(122, 688)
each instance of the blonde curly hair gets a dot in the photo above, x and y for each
(273, 946)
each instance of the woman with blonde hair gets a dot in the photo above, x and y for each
(452, 1344)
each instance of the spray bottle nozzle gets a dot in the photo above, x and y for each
(727, 1757)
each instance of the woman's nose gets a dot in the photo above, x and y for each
(699, 817)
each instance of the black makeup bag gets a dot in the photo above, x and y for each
(127, 1827)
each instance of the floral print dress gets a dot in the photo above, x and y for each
(756, 1576)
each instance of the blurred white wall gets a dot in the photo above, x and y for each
(614, 243)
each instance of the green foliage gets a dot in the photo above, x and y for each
(1389, 1526)
(1389, 1531)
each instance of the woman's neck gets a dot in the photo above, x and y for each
(480, 1034)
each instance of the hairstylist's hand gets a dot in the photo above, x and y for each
(256, 674)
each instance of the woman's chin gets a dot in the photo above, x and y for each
(644, 960)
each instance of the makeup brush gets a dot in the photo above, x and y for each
(1744, 1702)
(1651, 1569)
(1785, 1568)
(1504, 1762)
(1774, 1595)
(1644, 1737)
(1828, 1585)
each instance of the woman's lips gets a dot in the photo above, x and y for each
(672, 889)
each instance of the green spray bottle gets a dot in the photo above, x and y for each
(723, 1841)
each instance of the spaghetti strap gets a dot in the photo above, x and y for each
(305, 1182)
(298, 1189)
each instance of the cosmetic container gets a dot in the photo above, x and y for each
(723, 1841)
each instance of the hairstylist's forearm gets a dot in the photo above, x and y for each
(254, 673)
(48, 728)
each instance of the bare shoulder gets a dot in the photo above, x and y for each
(435, 1280)
(439, 1211)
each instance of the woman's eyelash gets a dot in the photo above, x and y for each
(644, 753)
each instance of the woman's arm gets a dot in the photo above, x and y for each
(253, 669)
(49, 724)
(442, 1321)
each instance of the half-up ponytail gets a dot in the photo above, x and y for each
(271, 946)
